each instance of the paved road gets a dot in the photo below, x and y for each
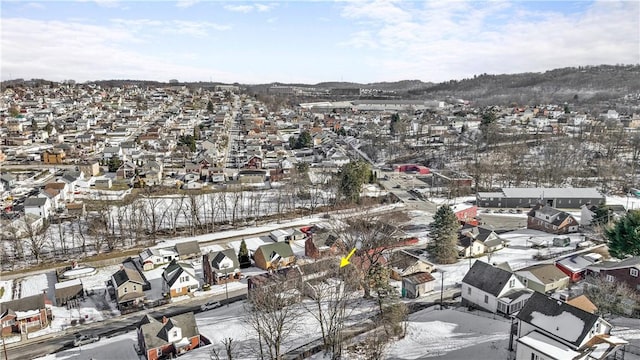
(50, 344)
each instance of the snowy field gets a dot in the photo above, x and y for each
(452, 334)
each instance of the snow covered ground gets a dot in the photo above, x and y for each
(452, 334)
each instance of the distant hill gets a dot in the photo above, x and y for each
(576, 84)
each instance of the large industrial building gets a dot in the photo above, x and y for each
(563, 198)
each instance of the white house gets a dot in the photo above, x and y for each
(179, 279)
(493, 289)
(150, 258)
(552, 329)
(40, 206)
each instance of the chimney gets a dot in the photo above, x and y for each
(164, 319)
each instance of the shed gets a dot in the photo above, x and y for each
(188, 250)
(68, 290)
(418, 284)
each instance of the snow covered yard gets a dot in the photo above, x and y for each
(6, 290)
(452, 334)
(118, 347)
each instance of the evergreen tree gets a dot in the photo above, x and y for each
(114, 163)
(624, 236)
(352, 176)
(210, 106)
(243, 256)
(443, 247)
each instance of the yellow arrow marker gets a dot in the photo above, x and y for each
(345, 260)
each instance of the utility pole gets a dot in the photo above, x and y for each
(442, 290)
(4, 343)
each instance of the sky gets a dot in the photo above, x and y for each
(310, 41)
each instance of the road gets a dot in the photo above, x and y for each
(53, 343)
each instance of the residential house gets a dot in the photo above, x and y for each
(62, 189)
(321, 243)
(178, 279)
(550, 220)
(9, 180)
(153, 257)
(493, 289)
(551, 329)
(168, 338)
(478, 240)
(54, 156)
(543, 278)
(417, 285)
(127, 288)
(89, 168)
(403, 264)
(588, 213)
(112, 152)
(71, 178)
(66, 291)
(286, 235)
(188, 250)
(626, 271)
(54, 196)
(39, 206)
(151, 173)
(576, 266)
(24, 315)
(274, 256)
(127, 170)
(220, 267)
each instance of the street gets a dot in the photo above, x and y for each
(49, 344)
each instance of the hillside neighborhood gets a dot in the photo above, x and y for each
(150, 222)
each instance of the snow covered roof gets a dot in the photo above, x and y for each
(550, 193)
(65, 284)
(558, 319)
(548, 346)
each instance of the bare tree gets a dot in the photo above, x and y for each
(272, 315)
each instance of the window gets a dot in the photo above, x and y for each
(610, 278)
(512, 283)
(469, 290)
(126, 289)
(633, 272)
(486, 299)
(135, 287)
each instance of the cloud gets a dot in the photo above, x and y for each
(35, 6)
(437, 41)
(179, 27)
(59, 50)
(186, 3)
(247, 8)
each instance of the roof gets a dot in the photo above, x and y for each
(34, 302)
(127, 274)
(633, 261)
(187, 248)
(549, 193)
(487, 278)
(419, 278)
(576, 263)
(270, 251)
(173, 271)
(402, 260)
(35, 202)
(216, 257)
(543, 273)
(548, 346)
(155, 333)
(558, 318)
(68, 289)
(583, 302)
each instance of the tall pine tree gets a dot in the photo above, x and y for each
(243, 256)
(624, 236)
(444, 233)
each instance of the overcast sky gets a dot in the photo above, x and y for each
(310, 41)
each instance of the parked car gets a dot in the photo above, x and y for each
(83, 339)
(210, 305)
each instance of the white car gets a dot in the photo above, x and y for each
(82, 339)
(210, 305)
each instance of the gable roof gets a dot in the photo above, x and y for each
(187, 248)
(544, 273)
(127, 274)
(487, 278)
(216, 258)
(173, 271)
(270, 251)
(633, 261)
(558, 318)
(419, 278)
(35, 201)
(34, 302)
(155, 332)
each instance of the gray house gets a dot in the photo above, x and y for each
(563, 198)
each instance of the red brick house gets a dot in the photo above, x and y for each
(626, 271)
(169, 337)
(321, 244)
(254, 162)
(550, 220)
(24, 315)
